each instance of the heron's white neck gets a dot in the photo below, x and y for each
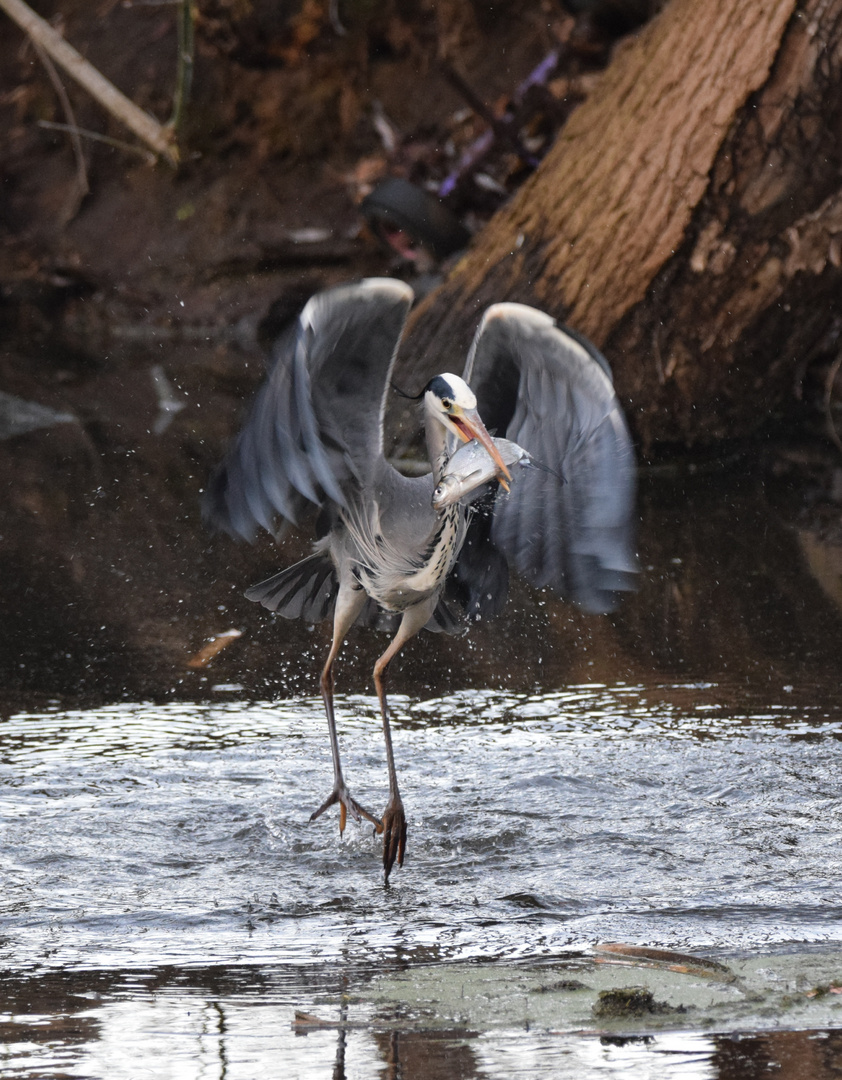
(439, 443)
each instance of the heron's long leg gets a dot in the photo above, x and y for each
(394, 821)
(349, 603)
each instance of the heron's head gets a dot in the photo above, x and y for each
(449, 400)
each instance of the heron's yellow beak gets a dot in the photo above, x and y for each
(469, 426)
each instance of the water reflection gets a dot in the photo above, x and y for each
(790, 1055)
(205, 1024)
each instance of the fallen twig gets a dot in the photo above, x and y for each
(683, 963)
(158, 137)
(97, 136)
(82, 185)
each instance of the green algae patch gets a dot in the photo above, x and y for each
(596, 993)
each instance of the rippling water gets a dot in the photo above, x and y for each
(537, 823)
(160, 873)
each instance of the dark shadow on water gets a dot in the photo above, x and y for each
(726, 594)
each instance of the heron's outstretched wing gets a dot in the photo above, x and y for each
(317, 421)
(551, 392)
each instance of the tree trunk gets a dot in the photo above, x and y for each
(688, 220)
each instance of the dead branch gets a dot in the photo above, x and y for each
(144, 126)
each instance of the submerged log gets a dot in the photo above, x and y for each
(688, 219)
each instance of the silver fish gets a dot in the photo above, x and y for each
(471, 467)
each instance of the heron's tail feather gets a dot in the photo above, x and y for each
(304, 591)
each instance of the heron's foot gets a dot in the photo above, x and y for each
(347, 805)
(394, 834)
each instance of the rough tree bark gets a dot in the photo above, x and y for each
(688, 220)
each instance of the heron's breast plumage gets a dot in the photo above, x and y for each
(441, 552)
(398, 575)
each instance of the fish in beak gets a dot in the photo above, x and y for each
(468, 425)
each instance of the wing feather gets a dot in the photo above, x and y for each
(551, 392)
(316, 425)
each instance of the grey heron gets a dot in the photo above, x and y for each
(384, 556)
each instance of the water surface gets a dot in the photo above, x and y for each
(666, 778)
(167, 901)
